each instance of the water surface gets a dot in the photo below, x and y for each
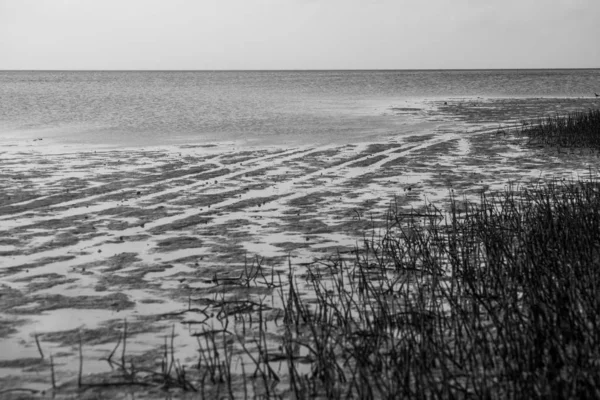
(162, 108)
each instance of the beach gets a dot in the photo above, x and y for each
(92, 238)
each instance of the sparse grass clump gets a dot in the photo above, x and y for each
(578, 129)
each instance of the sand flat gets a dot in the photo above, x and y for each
(90, 238)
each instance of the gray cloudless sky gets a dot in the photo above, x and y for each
(299, 34)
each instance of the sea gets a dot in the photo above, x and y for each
(144, 108)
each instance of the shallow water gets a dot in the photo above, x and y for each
(258, 107)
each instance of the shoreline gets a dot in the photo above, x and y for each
(413, 114)
(92, 238)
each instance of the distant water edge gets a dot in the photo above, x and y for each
(174, 107)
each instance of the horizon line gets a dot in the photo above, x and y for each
(295, 70)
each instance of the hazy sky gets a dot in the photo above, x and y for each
(298, 34)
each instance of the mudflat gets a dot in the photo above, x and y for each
(157, 237)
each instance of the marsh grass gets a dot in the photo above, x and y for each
(577, 129)
(499, 301)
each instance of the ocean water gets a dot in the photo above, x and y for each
(163, 108)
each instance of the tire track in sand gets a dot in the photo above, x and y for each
(287, 191)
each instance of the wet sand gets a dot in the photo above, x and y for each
(91, 238)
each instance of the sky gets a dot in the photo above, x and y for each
(298, 34)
